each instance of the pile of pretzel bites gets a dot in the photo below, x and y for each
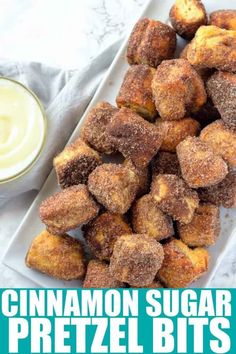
(149, 219)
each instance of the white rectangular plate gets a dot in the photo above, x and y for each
(31, 225)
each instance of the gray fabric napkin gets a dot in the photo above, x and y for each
(65, 95)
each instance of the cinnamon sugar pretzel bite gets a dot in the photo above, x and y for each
(199, 164)
(224, 19)
(114, 186)
(177, 89)
(148, 219)
(221, 87)
(187, 16)
(136, 259)
(204, 228)
(134, 137)
(98, 276)
(182, 265)
(174, 197)
(151, 42)
(213, 47)
(75, 163)
(93, 130)
(223, 193)
(136, 93)
(176, 131)
(203, 72)
(61, 257)
(102, 233)
(143, 176)
(68, 209)
(222, 140)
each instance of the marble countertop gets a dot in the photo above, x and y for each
(66, 34)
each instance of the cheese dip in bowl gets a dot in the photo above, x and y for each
(22, 129)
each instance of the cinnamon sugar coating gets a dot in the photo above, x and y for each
(93, 131)
(175, 131)
(213, 47)
(204, 228)
(151, 42)
(187, 16)
(143, 176)
(165, 163)
(114, 186)
(174, 197)
(98, 276)
(223, 193)
(182, 265)
(136, 92)
(221, 87)
(102, 233)
(61, 257)
(75, 163)
(68, 209)
(148, 219)
(177, 89)
(200, 166)
(203, 72)
(134, 137)
(136, 259)
(224, 19)
(222, 140)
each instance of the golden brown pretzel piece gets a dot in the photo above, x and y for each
(187, 16)
(151, 42)
(177, 89)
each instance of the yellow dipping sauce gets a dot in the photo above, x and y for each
(22, 129)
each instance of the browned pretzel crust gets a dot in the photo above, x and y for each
(151, 42)
(60, 257)
(177, 89)
(187, 16)
(136, 92)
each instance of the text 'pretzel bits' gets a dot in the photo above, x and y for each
(114, 186)
(94, 129)
(148, 219)
(134, 137)
(200, 166)
(61, 257)
(102, 233)
(151, 42)
(204, 229)
(98, 276)
(136, 92)
(136, 259)
(75, 163)
(187, 16)
(174, 197)
(213, 47)
(68, 209)
(182, 265)
(177, 89)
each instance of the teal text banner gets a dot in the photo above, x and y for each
(117, 321)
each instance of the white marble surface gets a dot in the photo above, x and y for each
(66, 33)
